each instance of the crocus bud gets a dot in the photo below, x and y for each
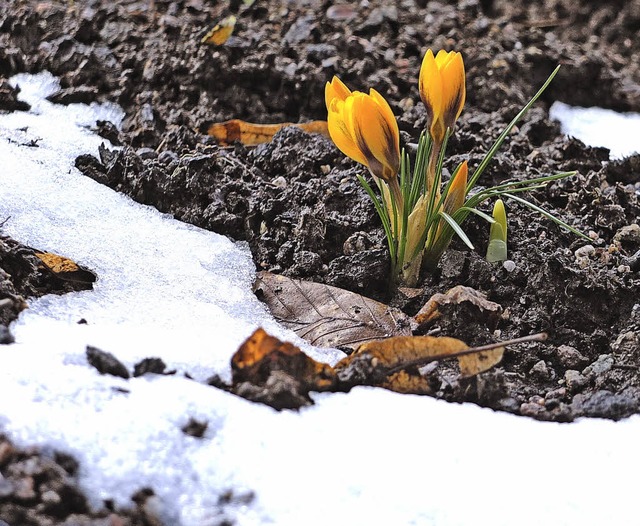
(443, 91)
(457, 191)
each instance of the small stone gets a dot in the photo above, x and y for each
(574, 381)
(106, 363)
(24, 489)
(342, 12)
(149, 366)
(50, 497)
(540, 371)
(5, 335)
(279, 182)
(146, 154)
(533, 410)
(583, 253)
(603, 364)
(195, 428)
(6, 488)
(570, 357)
(509, 265)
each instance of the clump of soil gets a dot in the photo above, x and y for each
(40, 488)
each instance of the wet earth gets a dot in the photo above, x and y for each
(296, 200)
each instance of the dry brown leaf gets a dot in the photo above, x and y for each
(479, 362)
(456, 296)
(249, 134)
(261, 354)
(221, 32)
(328, 316)
(380, 362)
(64, 268)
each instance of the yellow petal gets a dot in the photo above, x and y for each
(335, 89)
(377, 136)
(430, 86)
(457, 190)
(453, 82)
(339, 123)
(443, 57)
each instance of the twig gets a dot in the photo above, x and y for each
(539, 337)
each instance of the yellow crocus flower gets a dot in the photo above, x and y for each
(443, 91)
(364, 128)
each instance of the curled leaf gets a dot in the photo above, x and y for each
(261, 354)
(457, 296)
(250, 134)
(221, 32)
(64, 268)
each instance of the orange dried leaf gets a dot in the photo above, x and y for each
(221, 32)
(65, 268)
(261, 355)
(250, 134)
(380, 362)
(393, 352)
(476, 363)
(456, 296)
(408, 383)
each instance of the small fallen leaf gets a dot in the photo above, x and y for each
(64, 268)
(476, 363)
(328, 316)
(250, 134)
(456, 296)
(220, 32)
(381, 361)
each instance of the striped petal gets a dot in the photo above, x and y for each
(453, 77)
(376, 134)
(340, 125)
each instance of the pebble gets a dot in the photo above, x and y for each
(584, 252)
(146, 154)
(509, 265)
(279, 182)
(570, 357)
(574, 381)
(603, 364)
(540, 370)
(5, 335)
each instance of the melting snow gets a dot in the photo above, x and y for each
(620, 132)
(174, 291)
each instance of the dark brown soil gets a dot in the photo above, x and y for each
(296, 200)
